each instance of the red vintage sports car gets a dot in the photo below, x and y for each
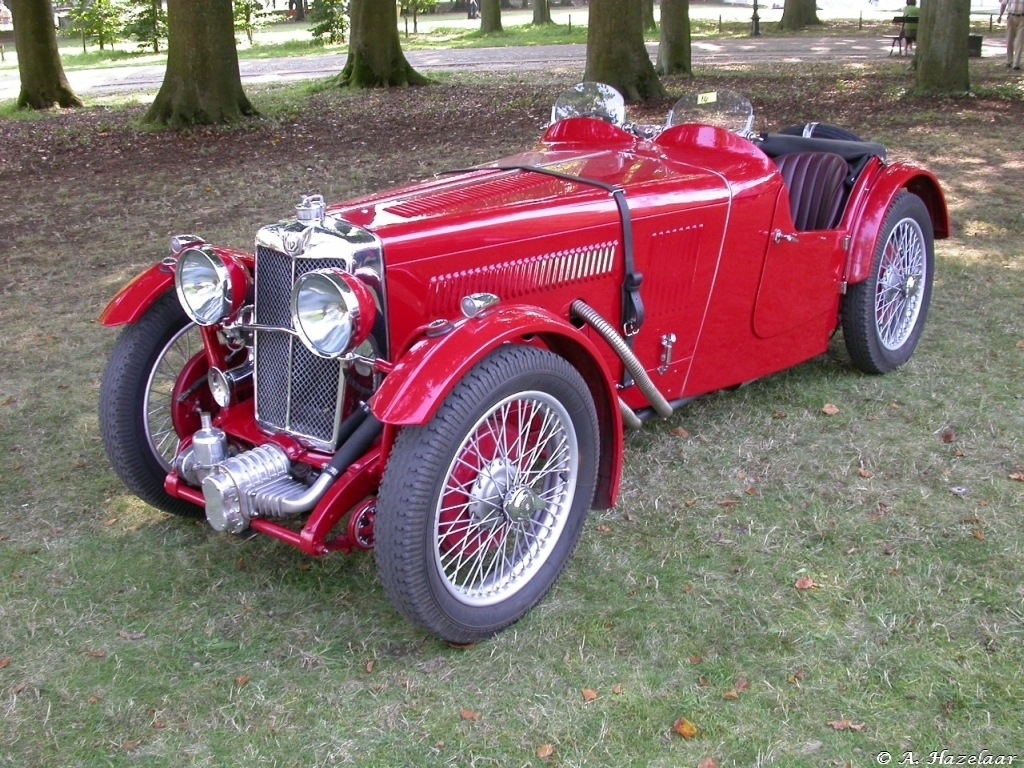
(442, 372)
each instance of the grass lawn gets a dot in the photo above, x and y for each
(804, 586)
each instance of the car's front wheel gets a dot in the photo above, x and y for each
(883, 317)
(152, 391)
(480, 509)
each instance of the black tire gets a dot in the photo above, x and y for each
(822, 131)
(883, 317)
(137, 409)
(481, 508)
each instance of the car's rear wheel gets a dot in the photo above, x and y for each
(150, 397)
(883, 317)
(480, 509)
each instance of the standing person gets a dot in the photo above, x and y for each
(910, 27)
(1014, 10)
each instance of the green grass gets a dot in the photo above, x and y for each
(130, 638)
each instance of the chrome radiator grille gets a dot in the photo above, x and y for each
(296, 391)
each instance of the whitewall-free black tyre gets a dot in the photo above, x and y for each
(481, 508)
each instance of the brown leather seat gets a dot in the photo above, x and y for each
(815, 182)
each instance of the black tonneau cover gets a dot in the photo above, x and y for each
(775, 144)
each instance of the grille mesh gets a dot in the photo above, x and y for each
(296, 391)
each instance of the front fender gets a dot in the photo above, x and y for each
(420, 381)
(132, 301)
(890, 181)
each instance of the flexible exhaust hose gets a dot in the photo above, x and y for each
(587, 314)
(630, 419)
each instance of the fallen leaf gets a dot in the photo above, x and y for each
(695, 659)
(865, 473)
(778, 415)
(19, 687)
(617, 690)
(743, 684)
(1020, 344)
(131, 636)
(948, 436)
(545, 750)
(131, 746)
(96, 654)
(708, 762)
(369, 666)
(845, 725)
(795, 678)
(680, 432)
(469, 714)
(604, 529)
(978, 534)
(589, 694)
(690, 503)
(242, 680)
(95, 699)
(159, 725)
(805, 582)
(6, 661)
(1018, 476)
(703, 682)
(685, 728)
(830, 409)
(110, 522)
(731, 695)
(728, 503)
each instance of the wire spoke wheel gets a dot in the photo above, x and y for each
(901, 279)
(884, 316)
(506, 497)
(481, 508)
(167, 389)
(152, 391)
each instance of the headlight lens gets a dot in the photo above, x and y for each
(333, 311)
(204, 286)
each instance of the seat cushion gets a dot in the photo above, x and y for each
(815, 183)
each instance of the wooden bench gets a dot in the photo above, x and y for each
(901, 39)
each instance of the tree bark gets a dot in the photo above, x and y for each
(941, 58)
(43, 83)
(202, 84)
(616, 53)
(798, 14)
(674, 47)
(490, 17)
(375, 57)
(542, 11)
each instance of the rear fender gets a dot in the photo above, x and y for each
(890, 182)
(425, 375)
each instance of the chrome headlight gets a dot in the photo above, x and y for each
(332, 311)
(210, 285)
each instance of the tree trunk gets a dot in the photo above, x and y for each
(798, 14)
(490, 17)
(649, 24)
(202, 85)
(616, 53)
(375, 57)
(542, 11)
(942, 47)
(674, 49)
(43, 83)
